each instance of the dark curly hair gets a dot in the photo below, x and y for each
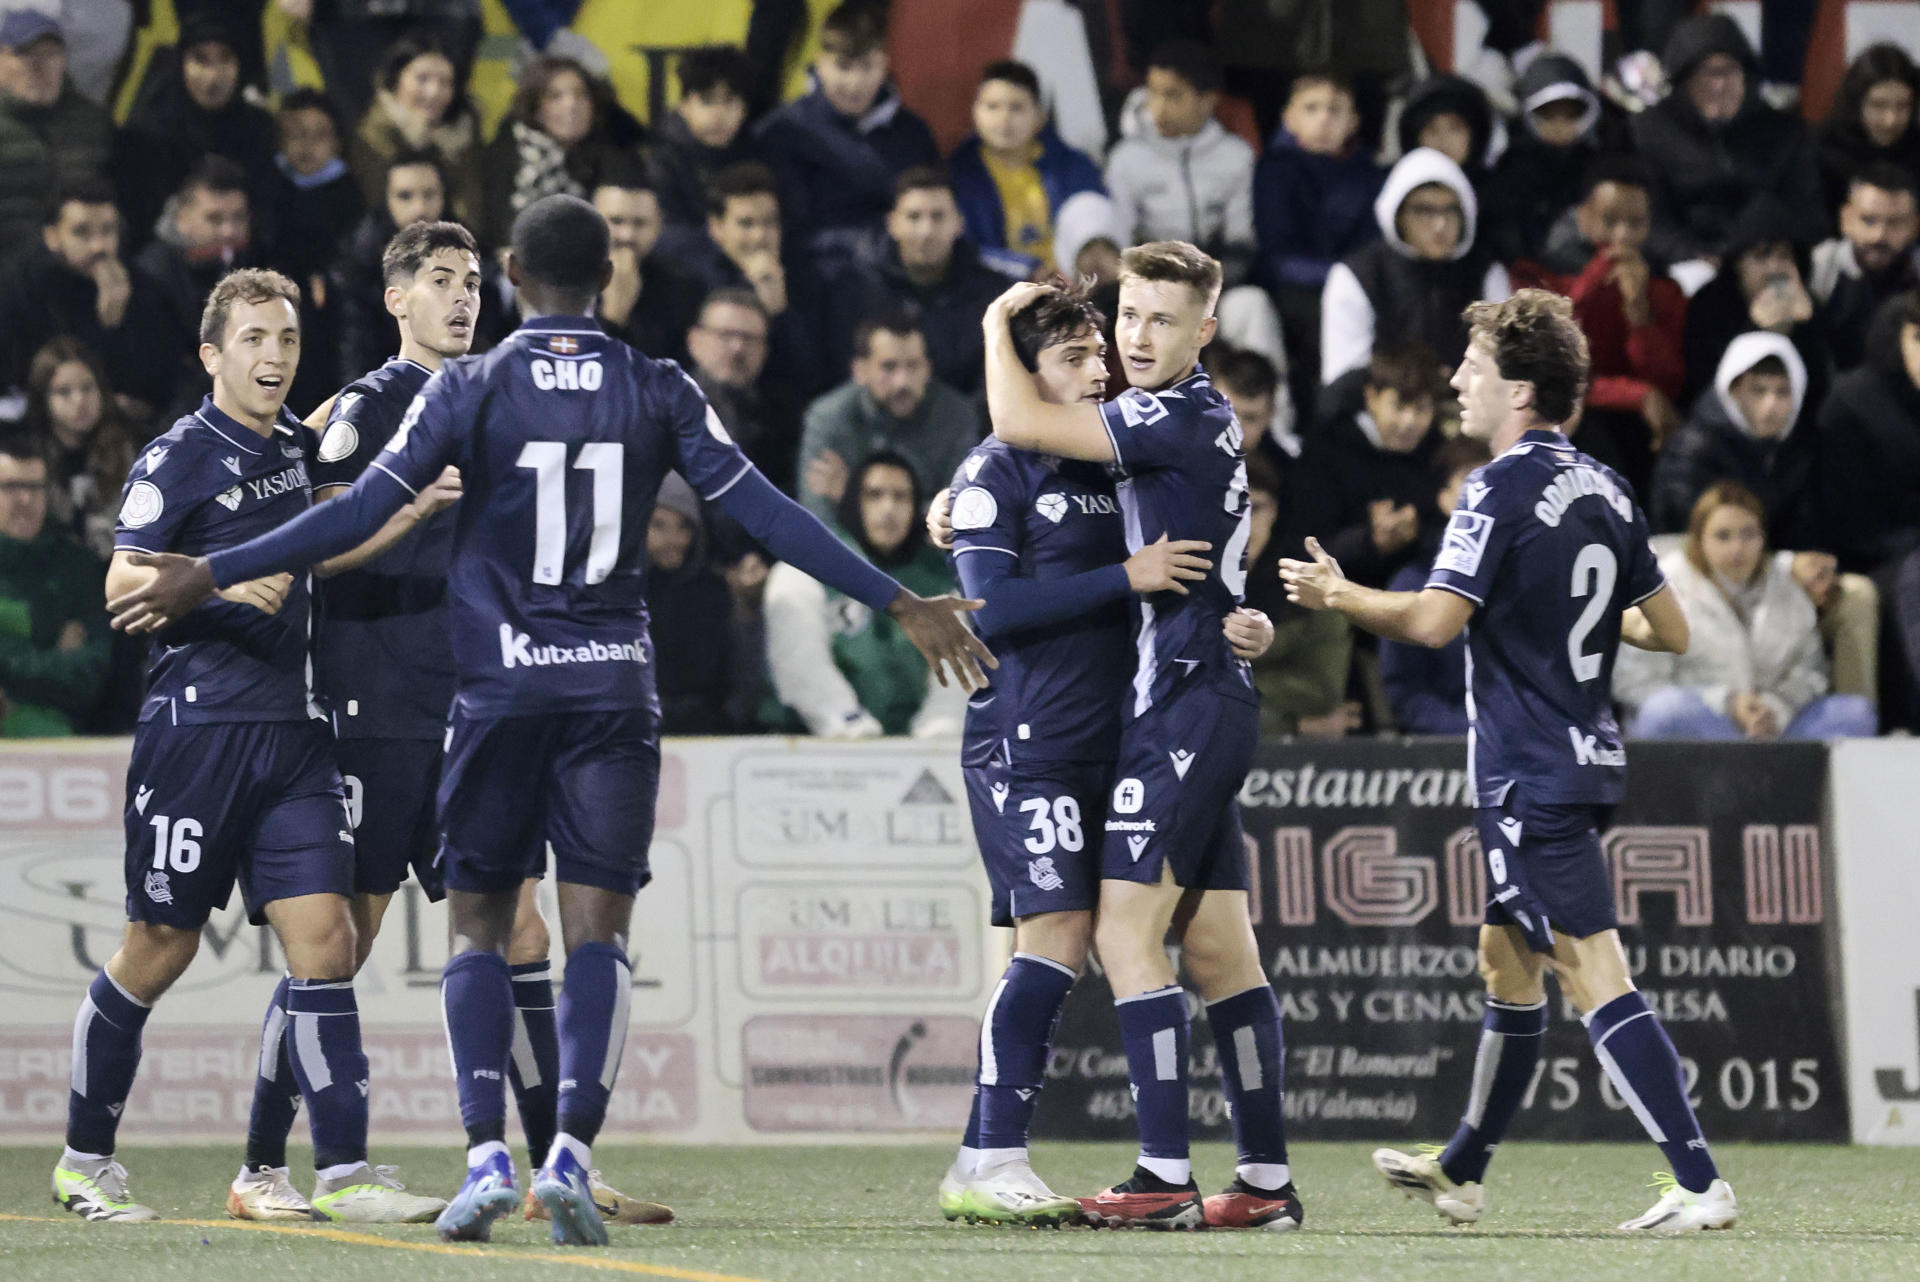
(1534, 339)
(1057, 316)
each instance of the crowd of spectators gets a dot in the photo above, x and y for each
(1748, 283)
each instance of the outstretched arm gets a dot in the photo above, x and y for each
(182, 582)
(1430, 617)
(792, 533)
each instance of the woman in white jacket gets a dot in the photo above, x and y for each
(1755, 669)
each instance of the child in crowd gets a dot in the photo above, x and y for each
(1013, 175)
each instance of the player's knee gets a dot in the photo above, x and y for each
(1510, 980)
(323, 946)
(152, 957)
(1059, 937)
(531, 940)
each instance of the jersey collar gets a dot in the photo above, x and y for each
(238, 434)
(560, 325)
(1552, 438)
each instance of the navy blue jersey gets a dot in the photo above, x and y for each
(211, 483)
(382, 662)
(561, 435)
(1183, 475)
(1552, 548)
(1060, 689)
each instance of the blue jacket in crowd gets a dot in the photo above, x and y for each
(1064, 171)
(1311, 211)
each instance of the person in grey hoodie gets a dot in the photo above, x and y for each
(1414, 282)
(1176, 173)
(1746, 429)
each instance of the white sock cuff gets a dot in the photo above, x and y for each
(122, 990)
(1242, 993)
(1174, 989)
(1062, 967)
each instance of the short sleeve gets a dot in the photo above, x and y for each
(347, 442)
(987, 505)
(427, 438)
(1644, 575)
(160, 493)
(1474, 545)
(708, 458)
(1153, 429)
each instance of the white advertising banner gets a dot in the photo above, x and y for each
(809, 959)
(1876, 832)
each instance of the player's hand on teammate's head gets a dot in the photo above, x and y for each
(1249, 632)
(1161, 565)
(1016, 297)
(179, 584)
(933, 625)
(1310, 582)
(940, 520)
(265, 595)
(443, 493)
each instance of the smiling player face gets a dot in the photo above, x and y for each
(439, 307)
(254, 366)
(1160, 330)
(1074, 370)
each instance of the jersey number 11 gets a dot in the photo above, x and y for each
(548, 459)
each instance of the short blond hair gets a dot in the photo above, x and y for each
(1534, 338)
(1177, 261)
(248, 285)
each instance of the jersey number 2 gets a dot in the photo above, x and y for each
(548, 459)
(1594, 571)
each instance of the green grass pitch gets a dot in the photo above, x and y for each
(868, 1215)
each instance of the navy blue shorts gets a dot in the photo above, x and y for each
(255, 801)
(584, 782)
(392, 787)
(1038, 828)
(1545, 869)
(1173, 805)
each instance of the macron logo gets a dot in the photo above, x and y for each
(1182, 762)
(1586, 752)
(1138, 845)
(517, 650)
(141, 797)
(232, 463)
(1000, 797)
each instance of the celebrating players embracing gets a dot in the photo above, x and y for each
(561, 435)
(1546, 564)
(1173, 852)
(231, 776)
(1039, 540)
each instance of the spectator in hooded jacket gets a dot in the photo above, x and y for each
(1633, 314)
(703, 134)
(1176, 173)
(1872, 259)
(928, 267)
(1761, 284)
(191, 107)
(838, 150)
(1713, 144)
(1755, 427)
(50, 132)
(844, 671)
(1871, 121)
(1413, 283)
(417, 105)
(1540, 176)
(1011, 177)
(1313, 194)
(1450, 114)
(1755, 668)
(689, 616)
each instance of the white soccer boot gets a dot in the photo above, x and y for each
(95, 1189)
(1419, 1175)
(371, 1195)
(1679, 1211)
(1011, 1193)
(953, 1191)
(266, 1194)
